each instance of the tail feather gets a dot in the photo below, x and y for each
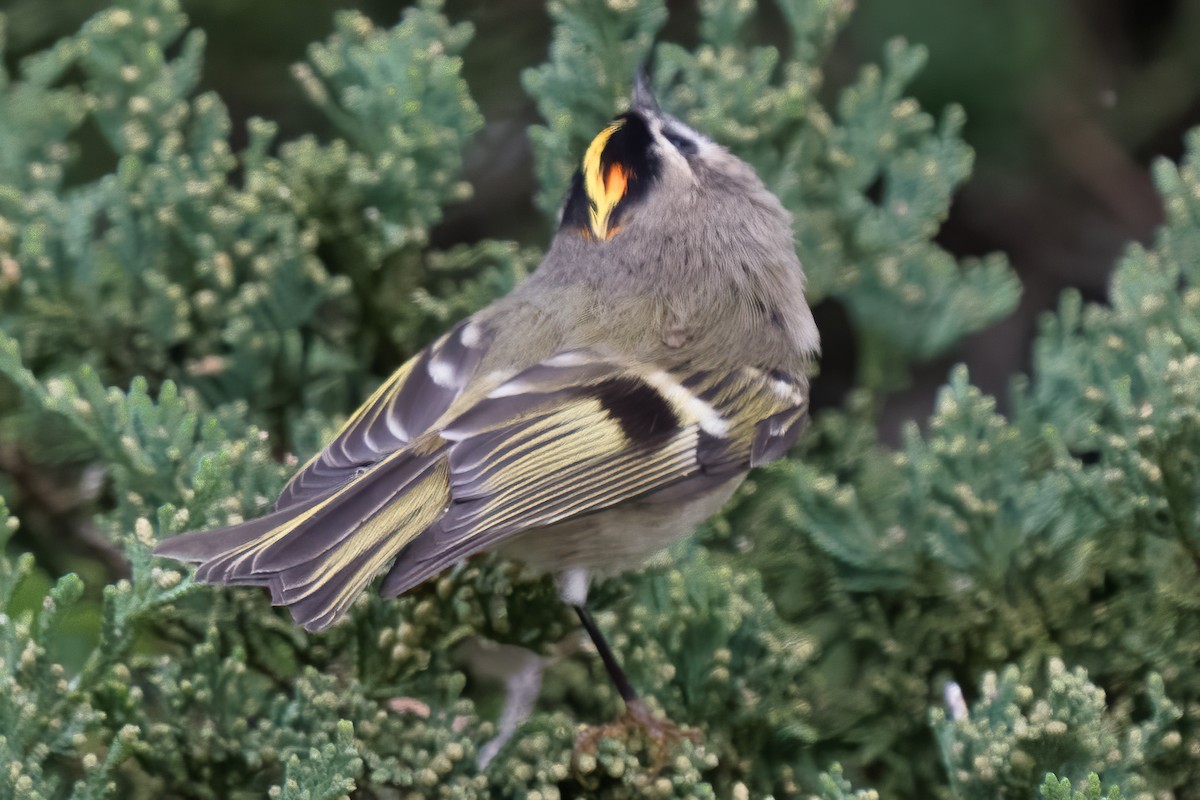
(205, 545)
(316, 557)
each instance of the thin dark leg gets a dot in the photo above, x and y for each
(613, 668)
(661, 733)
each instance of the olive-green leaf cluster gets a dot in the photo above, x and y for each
(1065, 530)
(1011, 736)
(257, 276)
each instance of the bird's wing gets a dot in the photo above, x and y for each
(580, 433)
(402, 409)
(573, 435)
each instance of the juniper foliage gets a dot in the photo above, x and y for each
(248, 299)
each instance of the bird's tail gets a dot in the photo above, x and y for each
(318, 555)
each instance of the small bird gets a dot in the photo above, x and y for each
(593, 416)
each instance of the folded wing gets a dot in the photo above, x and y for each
(579, 433)
(571, 436)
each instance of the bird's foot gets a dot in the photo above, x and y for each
(661, 735)
(656, 728)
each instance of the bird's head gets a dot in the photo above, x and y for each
(659, 211)
(647, 170)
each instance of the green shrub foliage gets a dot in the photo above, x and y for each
(179, 330)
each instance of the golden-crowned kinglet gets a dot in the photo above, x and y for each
(596, 414)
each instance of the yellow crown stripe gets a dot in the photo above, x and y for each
(605, 188)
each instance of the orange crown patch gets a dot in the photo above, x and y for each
(605, 185)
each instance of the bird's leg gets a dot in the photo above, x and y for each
(521, 689)
(615, 673)
(660, 731)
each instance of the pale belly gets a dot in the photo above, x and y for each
(618, 538)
